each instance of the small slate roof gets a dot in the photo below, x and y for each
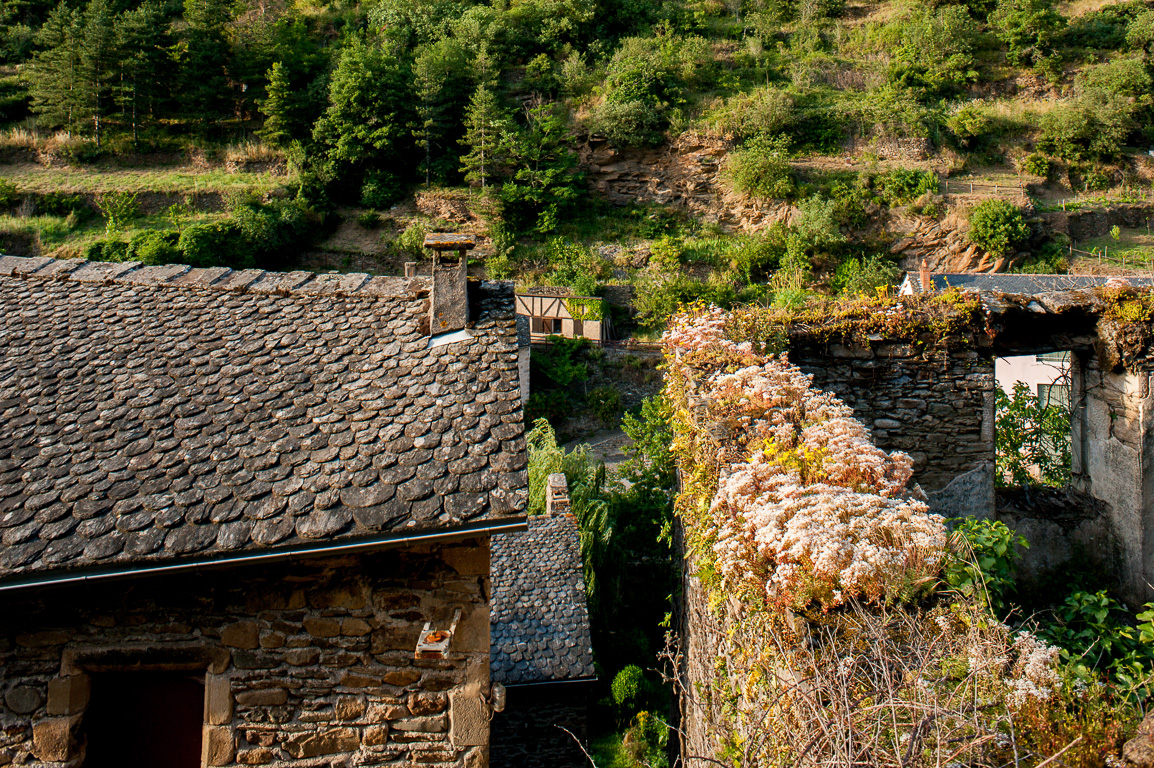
(160, 415)
(538, 615)
(1024, 284)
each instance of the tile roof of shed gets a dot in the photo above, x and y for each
(539, 621)
(174, 415)
(1025, 284)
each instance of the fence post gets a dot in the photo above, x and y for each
(971, 187)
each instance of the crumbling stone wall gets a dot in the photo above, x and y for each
(304, 664)
(937, 406)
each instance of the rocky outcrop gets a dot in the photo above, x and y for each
(946, 249)
(685, 174)
(1138, 752)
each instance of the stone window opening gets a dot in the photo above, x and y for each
(1048, 377)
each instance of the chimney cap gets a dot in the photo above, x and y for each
(449, 241)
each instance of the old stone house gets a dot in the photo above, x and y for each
(245, 517)
(554, 311)
(542, 650)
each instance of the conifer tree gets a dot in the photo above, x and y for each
(205, 86)
(141, 43)
(277, 107)
(440, 73)
(97, 48)
(56, 70)
(485, 123)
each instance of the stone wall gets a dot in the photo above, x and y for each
(937, 407)
(528, 734)
(304, 664)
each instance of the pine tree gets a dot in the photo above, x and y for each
(277, 107)
(440, 74)
(56, 69)
(485, 123)
(205, 86)
(96, 57)
(141, 43)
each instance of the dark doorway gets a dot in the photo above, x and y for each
(144, 720)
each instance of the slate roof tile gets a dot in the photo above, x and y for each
(172, 414)
(539, 620)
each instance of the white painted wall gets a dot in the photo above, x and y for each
(1029, 369)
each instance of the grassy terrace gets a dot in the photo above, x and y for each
(30, 177)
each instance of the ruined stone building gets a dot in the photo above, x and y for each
(542, 649)
(246, 517)
(935, 401)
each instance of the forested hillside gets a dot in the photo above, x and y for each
(359, 105)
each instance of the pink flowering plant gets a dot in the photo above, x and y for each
(807, 508)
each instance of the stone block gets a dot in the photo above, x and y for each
(68, 695)
(424, 724)
(54, 739)
(302, 657)
(376, 735)
(402, 677)
(1138, 752)
(24, 699)
(242, 634)
(217, 700)
(329, 742)
(43, 639)
(468, 719)
(379, 713)
(272, 640)
(349, 707)
(348, 597)
(355, 627)
(259, 756)
(354, 680)
(218, 746)
(427, 703)
(318, 626)
(268, 697)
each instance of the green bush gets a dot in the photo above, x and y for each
(628, 689)
(574, 266)
(119, 209)
(381, 189)
(61, 204)
(902, 186)
(605, 404)
(9, 195)
(983, 560)
(1029, 28)
(549, 404)
(215, 244)
(864, 275)
(369, 219)
(155, 247)
(1037, 164)
(761, 168)
(764, 112)
(105, 249)
(633, 123)
(970, 128)
(411, 242)
(1086, 129)
(997, 226)
(1099, 636)
(1032, 439)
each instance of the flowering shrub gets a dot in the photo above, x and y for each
(811, 509)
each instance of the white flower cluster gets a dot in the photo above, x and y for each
(1033, 674)
(815, 510)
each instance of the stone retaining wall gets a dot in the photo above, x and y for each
(309, 664)
(528, 734)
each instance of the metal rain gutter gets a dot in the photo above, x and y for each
(261, 557)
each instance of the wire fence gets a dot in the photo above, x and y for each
(1128, 259)
(994, 189)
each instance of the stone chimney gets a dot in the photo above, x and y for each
(927, 279)
(449, 303)
(556, 495)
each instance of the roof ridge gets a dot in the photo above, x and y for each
(183, 276)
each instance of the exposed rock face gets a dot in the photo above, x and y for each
(1095, 222)
(946, 249)
(1138, 752)
(685, 174)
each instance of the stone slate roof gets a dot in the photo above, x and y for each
(539, 622)
(1023, 284)
(160, 415)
